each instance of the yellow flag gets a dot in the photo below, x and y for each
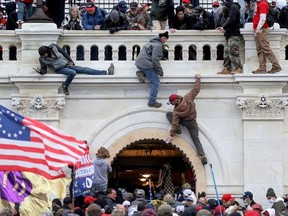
(33, 192)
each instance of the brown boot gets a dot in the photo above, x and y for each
(259, 71)
(140, 76)
(155, 105)
(274, 70)
(203, 159)
(237, 71)
(225, 71)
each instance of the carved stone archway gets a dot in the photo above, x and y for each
(149, 133)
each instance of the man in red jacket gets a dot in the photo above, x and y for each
(263, 48)
(184, 113)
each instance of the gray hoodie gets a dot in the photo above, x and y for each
(150, 56)
(102, 168)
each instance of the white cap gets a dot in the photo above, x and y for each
(126, 203)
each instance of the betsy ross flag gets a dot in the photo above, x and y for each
(29, 145)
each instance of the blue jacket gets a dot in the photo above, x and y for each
(98, 18)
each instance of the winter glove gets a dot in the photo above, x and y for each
(113, 29)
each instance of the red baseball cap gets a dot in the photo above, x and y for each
(172, 98)
(186, 2)
(217, 209)
(216, 3)
(227, 197)
(89, 199)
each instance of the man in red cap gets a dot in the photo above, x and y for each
(184, 113)
(229, 203)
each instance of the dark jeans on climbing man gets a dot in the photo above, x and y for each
(192, 127)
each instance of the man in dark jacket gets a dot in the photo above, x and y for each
(148, 63)
(58, 60)
(161, 10)
(184, 113)
(201, 19)
(115, 21)
(231, 29)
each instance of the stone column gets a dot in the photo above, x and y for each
(263, 107)
(32, 36)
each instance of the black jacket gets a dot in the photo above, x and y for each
(114, 27)
(232, 25)
(202, 23)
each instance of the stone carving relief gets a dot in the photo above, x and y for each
(38, 106)
(262, 107)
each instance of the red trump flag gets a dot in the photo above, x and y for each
(29, 145)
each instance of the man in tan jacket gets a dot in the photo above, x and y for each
(184, 113)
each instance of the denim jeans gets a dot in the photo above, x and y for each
(242, 4)
(192, 127)
(153, 77)
(71, 72)
(96, 188)
(21, 10)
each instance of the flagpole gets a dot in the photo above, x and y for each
(215, 186)
(72, 182)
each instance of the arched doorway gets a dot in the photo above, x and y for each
(139, 163)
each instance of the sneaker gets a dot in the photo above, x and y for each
(259, 71)
(203, 159)
(225, 71)
(155, 105)
(237, 71)
(140, 76)
(65, 89)
(274, 70)
(111, 69)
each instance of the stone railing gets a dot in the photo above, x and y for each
(189, 51)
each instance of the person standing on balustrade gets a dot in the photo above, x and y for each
(59, 61)
(161, 11)
(261, 31)
(231, 29)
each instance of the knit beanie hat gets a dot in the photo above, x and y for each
(42, 50)
(114, 15)
(270, 193)
(165, 34)
(179, 8)
(165, 210)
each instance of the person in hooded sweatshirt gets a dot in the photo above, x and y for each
(101, 169)
(149, 66)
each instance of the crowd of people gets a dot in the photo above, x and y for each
(133, 16)
(183, 202)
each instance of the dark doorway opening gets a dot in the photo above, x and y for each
(139, 163)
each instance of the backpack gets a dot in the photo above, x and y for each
(269, 17)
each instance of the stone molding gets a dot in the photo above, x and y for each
(38, 106)
(262, 107)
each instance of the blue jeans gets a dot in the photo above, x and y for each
(153, 77)
(71, 72)
(242, 4)
(21, 10)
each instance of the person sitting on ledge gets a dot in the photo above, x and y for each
(59, 61)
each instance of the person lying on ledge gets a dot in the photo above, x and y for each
(59, 61)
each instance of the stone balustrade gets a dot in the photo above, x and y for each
(189, 51)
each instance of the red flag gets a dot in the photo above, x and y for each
(29, 145)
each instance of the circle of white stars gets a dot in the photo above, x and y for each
(6, 132)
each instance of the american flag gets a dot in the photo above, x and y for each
(29, 145)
